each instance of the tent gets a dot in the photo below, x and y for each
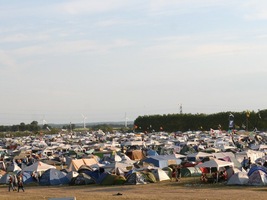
(27, 178)
(215, 163)
(258, 178)
(160, 175)
(162, 161)
(110, 179)
(53, 177)
(136, 178)
(151, 152)
(13, 167)
(72, 174)
(193, 157)
(240, 178)
(135, 154)
(38, 167)
(5, 177)
(255, 168)
(190, 172)
(75, 164)
(82, 179)
(168, 171)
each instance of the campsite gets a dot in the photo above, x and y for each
(157, 165)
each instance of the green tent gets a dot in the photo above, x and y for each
(191, 172)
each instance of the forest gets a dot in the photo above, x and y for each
(246, 120)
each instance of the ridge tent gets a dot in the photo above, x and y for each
(75, 164)
(53, 177)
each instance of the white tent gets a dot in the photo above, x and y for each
(215, 163)
(240, 178)
(38, 167)
(160, 175)
(198, 156)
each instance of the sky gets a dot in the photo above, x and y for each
(109, 60)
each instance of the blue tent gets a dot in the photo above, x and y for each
(162, 161)
(53, 177)
(253, 169)
(151, 152)
(27, 177)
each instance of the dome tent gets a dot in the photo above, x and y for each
(53, 177)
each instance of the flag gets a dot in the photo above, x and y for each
(231, 124)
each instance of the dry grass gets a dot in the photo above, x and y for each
(187, 189)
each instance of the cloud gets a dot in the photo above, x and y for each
(71, 47)
(6, 61)
(189, 6)
(255, 10)
(91, 6)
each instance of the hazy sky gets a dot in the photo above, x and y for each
(104, 58)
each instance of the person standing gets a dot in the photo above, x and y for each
(20, 183)
(10, 183)
(178, 173)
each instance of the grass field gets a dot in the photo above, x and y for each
(187, 189)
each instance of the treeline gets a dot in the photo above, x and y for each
(22, 128)
(246, 120)
(33, 127)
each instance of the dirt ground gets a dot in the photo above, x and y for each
(163, 190)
